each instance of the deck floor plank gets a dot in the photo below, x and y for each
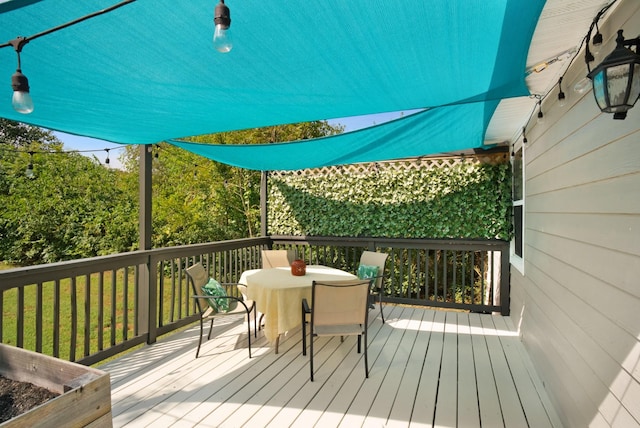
(427, 392)
(333, 401)
(524, 376)
(490, 411)
(427, 368)
(383, 404)
(468, 411)
(512, 412)
(447, 401)
(382, 359)
(405, 399)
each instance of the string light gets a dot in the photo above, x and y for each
(562, 98)
(22, 101)
(582, 85)
(29, 171)
(540, 114)
(222, 40)
(597, 38)
(61, 152)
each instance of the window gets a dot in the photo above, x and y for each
(517, 242)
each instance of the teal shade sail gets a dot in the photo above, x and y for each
(147, 72)
(437, 130)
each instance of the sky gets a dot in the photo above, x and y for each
(93, 147)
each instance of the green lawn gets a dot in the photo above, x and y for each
(99, 310)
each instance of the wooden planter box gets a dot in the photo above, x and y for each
(85, 392)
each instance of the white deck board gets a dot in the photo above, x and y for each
(427, 368)
(468, 411)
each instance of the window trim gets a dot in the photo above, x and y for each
(516, 260)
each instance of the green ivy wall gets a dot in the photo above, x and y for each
(452, 198)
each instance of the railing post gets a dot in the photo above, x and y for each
(505, 281)
(264, 178)
(147, 276)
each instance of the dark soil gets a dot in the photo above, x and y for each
(19, 397)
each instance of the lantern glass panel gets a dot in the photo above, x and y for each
(598, 90)
(617, 82)
(635, 85)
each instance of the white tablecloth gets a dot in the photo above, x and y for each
(278, 294)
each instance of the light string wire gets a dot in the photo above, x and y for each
(70, 23)
(55, 152)
(584, 43)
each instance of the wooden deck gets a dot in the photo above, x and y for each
(427, 369)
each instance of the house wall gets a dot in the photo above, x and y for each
(578, 303)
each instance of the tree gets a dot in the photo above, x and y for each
(22, 136)
(72, 208)
(199, 200)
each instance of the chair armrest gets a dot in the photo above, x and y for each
(305, 306)
(240, 300)
(197, 296)
(241, 288)
(373, 280)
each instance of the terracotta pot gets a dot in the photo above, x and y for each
(298, 267)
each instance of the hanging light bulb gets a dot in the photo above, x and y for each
(540, 114)
(106, 161)
(29, 171)
(21, 101)
(596, 43)
(222, 41)
(562, 98)
(582, 85)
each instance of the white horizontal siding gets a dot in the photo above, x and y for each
(578, 307)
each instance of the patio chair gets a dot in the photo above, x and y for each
(214, 299)
(338, 308)
(369, 261)
(277, 258)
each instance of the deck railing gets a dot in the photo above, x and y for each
(461, 274)
(91, 309)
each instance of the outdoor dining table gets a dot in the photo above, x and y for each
(278, 294)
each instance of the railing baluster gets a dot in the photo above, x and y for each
(2, 316)
(437, 286)
(427, 260)
(114, 309)
(482, 271)
(39, 317)
(125, 304)
(87, 314)
(136, 277)
(74, 321)
(20, 319)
